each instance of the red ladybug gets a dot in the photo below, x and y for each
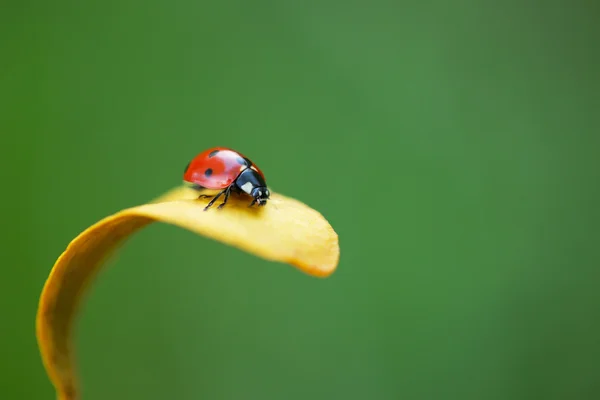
(226, 170)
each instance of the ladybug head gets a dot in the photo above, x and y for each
(252, 182)
(261, 195)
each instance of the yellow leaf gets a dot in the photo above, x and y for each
(285, 230)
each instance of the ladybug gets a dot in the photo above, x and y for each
(226, 170)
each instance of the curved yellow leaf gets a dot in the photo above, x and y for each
(286, 230)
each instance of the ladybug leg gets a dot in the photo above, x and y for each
(227, 191)
(213, 200)
(199, 189)
(253, 203)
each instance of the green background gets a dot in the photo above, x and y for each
(452, 145)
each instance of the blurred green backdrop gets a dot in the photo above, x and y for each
(452, 145)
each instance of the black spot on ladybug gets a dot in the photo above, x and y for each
(212, 153)
(187, 167)
(243, 161)
(208, 172)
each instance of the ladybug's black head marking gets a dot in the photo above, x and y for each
(252, 183)
(261, 195)
(243, 161)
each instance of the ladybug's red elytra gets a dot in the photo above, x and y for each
(227, 170)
